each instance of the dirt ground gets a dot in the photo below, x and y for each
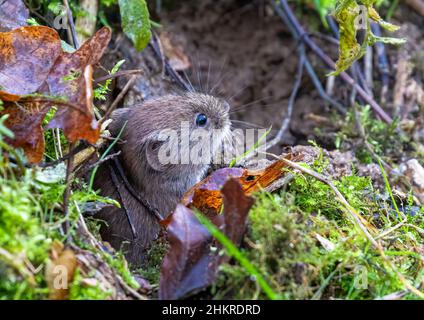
(241, 51)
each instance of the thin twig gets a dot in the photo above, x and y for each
(309, 68)
(142, 200)
(154, 44)
(67, 193)
(11, 260)
(95, 243)
(118, 99)
(383, 63)
(292, 99)
(71, 24)
(390, 230)
(118, 186)
(107, 158)
(330, 63)
(118, 74)
(70, 164)
(70, 154)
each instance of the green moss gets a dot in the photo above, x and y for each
(151, 271)
(81, 290)
(21, 239)
(382, 137)
(303, 243)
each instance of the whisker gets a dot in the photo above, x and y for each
(199, 80)
(188, 80)
(238, 92)
(256, 101)
(220, 77)
(247, 124)
(241, 108)
(207, 78)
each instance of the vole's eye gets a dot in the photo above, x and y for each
(201, 120)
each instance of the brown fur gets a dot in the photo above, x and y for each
(161, 185)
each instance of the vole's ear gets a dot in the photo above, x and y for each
(153, 154)
(119, 116)
(162, 149)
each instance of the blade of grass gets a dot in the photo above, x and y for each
(93, 174)
(255, 146)
(400, 215)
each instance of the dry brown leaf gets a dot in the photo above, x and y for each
(27, 55)
(206, 195)
(25, 121)
(175, 53)
(71, 76)
(32, 61)
(193, 259)
(60, 271)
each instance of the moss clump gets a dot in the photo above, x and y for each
(151, 271)
(382, 137)
(82, 289)
(306, 247)
(31, 218)
(22, 240)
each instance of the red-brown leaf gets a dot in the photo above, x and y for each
(190, 264)
(71, 76)
(32, 61)
(186, 267)
(236, 207)
(27, 55)
(205, 196)
(25, 122)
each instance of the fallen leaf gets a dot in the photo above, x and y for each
(32, 61)
(175, 53)
(193, 258)
(186, 266)
(25, 122)
(236, 207)
(60, 270)
(27, 55)
(13, 14)
(205, 195)
(71, 76)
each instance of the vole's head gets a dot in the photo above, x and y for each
(174, 126)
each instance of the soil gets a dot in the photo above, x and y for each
(240, 50)
(245, 53)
